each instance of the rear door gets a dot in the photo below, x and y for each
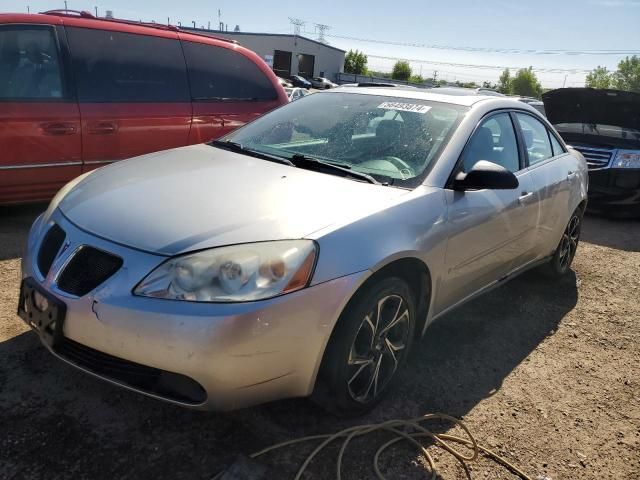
(553, 172)
(133, 93)
(40, 140)
(492, 231)
(227, 89)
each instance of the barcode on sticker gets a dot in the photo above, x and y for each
(405, 107)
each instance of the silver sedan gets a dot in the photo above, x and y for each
(302, 254)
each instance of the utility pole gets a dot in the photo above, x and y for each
(435, 76)
(65, 6)
(297, 24)
(565, 81)
(96, 9)
(28, 9)
(321, 29)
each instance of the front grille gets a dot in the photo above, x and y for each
(172, 386)
(88, 268)
(596, 157)
(49, 248)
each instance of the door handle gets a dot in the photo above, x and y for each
(59, 128)
(102, 128)
(525, 198)
(571, 175)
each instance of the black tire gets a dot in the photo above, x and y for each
(358, 348)
(560, 263)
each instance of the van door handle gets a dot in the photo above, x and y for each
(571, 175)
(102, 128)
(59, 128)
(525, 198)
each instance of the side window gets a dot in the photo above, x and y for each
(29, 64)
(219, 74)
(112, 67)
(555, 144)
(536, 138)
(495, 141)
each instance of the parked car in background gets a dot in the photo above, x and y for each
(534, 102)
(285, 83)
(301, 254)
(468, 91)
(322, 83)
(78, 92)
(604, 125)
(296, 93)
(298, 81)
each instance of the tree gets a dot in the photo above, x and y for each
(504, 82)
(416, 79)
(401, 71)
(526, 84)
(627, 77)
(355, 62)
(599, 77)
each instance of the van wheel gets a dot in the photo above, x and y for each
(368, 347)
(562, 258)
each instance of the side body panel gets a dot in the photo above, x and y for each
(491, 233)
(40, 138)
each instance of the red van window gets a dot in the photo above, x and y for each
(116, 67)
(220, 74)
(29, 64)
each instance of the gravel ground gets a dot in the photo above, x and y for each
(545, 373)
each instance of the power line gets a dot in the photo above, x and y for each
(489, 49)
(485, 67)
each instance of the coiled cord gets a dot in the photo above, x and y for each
(400, 429)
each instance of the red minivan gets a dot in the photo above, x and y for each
(78, 92)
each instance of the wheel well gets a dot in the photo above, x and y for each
(583, 205)
(417, 276)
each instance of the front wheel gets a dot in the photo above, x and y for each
(565, 252)
(367, 348)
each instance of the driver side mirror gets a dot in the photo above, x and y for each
(486, 175)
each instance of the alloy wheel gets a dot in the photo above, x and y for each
(569, 242)
(380, 342)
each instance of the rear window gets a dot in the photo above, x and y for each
(220, 74)
(29, 64)
(121, 67)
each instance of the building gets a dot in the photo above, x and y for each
(288, 54)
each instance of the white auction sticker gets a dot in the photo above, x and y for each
(405, 107)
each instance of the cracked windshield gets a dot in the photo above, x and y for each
(394, 140)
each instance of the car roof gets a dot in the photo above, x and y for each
(86, 19)
(464, 97)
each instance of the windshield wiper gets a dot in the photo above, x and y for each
(239, 148)
(302, 161)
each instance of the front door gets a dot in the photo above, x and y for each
(492, 231)
(40, 141)
(133, 93)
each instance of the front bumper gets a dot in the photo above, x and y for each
(240, 354)
(615, 192)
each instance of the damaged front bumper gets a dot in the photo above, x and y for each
(201, 355)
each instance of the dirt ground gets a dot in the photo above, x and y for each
(545, 373)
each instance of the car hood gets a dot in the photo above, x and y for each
(200, 197)
(593, 106)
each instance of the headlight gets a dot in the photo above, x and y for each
(238, 273)
(627, 159)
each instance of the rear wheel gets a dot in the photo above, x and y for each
(367, 349)
(561, 261)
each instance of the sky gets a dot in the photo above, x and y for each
(416, 26)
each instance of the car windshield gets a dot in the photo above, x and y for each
(394, 140)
